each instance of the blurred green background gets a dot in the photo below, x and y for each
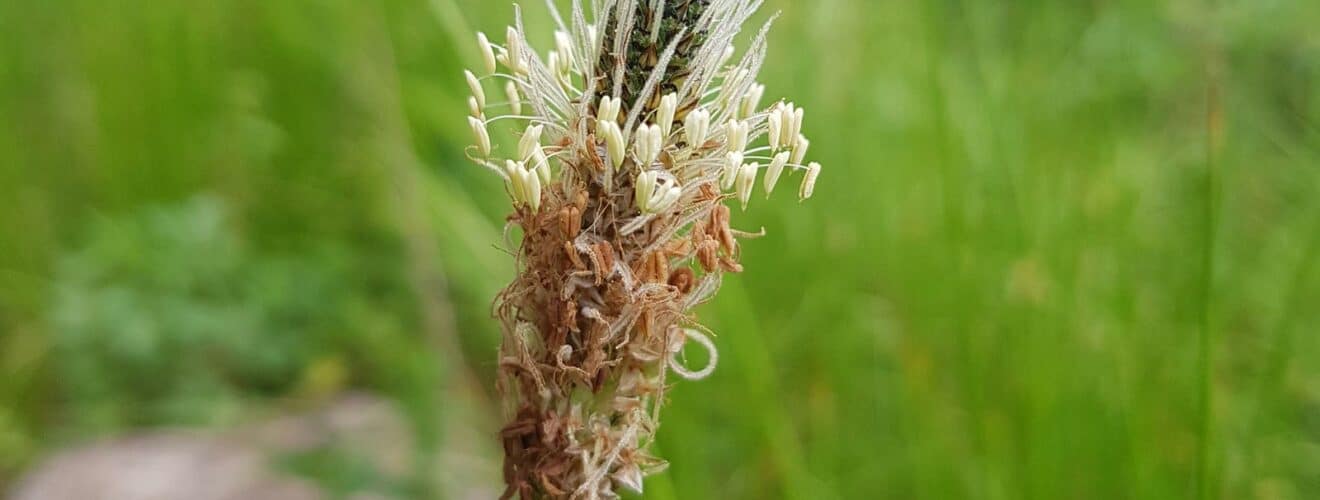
(1060, 249)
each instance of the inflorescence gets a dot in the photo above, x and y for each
(635, 129)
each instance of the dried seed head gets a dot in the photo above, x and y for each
(656, 107)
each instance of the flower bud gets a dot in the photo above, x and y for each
(665, 114)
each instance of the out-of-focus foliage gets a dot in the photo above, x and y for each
(1036, 220)
(165, 317)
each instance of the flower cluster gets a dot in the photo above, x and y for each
(634, 130)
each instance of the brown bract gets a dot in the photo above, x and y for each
(594, 317)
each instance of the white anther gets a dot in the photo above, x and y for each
(736, 132)
(774, 128)
(475, 85)
(773, 172)
(695, 126)
(514, 58)
(482, 137)
(474, 108)
(531, 140)
(732, 162)
(746, 182)
(564, 44)
(800, 149)
(515, 100)
(665, 114)
(809, 182)
(609, 131)
(647, 144)
(752, 100)
(609, 109)
(487, 52)
(541, 165)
